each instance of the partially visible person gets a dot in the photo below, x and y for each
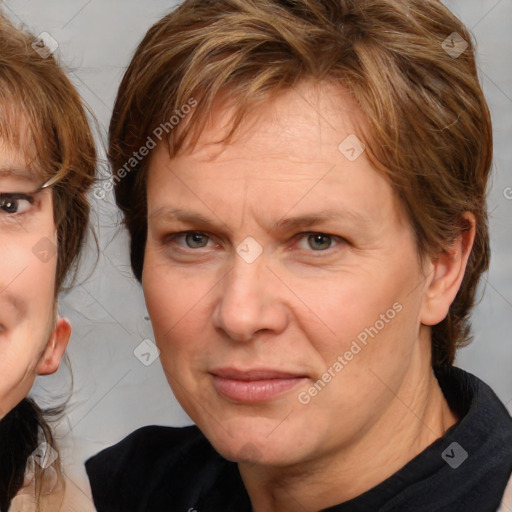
(47, 166)
(309, 230)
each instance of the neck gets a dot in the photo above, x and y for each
(418, 415)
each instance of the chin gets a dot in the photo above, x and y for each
(256, 441)
(261, 453)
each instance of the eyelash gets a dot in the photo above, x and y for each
(173, 237)
(14, 197)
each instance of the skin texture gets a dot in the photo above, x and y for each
(32, 341)
(296, 308)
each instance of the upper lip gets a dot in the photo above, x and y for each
(254, 374)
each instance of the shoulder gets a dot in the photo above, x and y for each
(143, 449)
(506, 503)
(51, 497)
(151, 463)
(145, 445)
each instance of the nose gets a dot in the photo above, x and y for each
(249, 302)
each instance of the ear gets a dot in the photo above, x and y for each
(446, 274)
(50, 360)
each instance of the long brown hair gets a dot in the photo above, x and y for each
(35, 89)
(428, 128)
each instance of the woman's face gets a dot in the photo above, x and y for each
(282, 280)
(30, 342)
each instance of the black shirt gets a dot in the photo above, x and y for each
(163, 469)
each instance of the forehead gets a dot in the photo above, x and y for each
(290, 149)
(310, 119)
(18, 153)
(15, 166)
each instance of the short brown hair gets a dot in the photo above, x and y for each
(428, 125)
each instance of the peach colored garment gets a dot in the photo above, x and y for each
(506, 504)
(64, 497)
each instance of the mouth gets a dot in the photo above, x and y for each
(254, 385)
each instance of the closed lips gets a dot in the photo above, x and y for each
(253, 386)
(251, 375)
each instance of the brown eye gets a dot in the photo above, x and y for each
(15, 203)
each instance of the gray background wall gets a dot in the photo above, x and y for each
(113, 392)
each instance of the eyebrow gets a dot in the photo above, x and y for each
(304, 221)
(287, 223)
(18, 172)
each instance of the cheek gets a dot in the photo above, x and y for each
(173, 303)
(27, 274)
(29, 246)
(22, 344)
(35, 268)
(374, 343)
(28, 278)
(16, 366)
(370, 316)
(341, 306)
(160, 293)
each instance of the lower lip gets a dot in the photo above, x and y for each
(254, 390)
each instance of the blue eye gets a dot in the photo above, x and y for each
(317, 241)
(15, 204)
(191, 239)
(196, 240)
